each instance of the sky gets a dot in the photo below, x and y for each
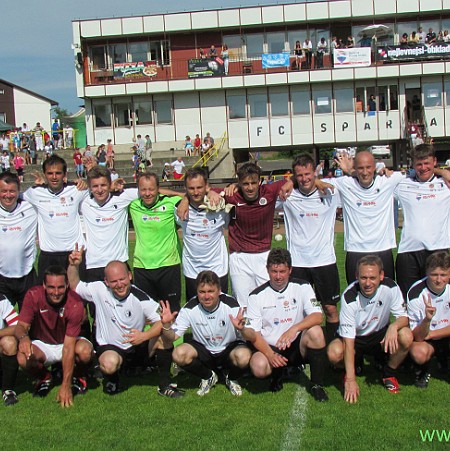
(37, 36)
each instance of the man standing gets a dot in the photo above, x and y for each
(122, 311)
(365, 328)
(148, 151)
(38, 132)
(284, 321)
(309, 220)
(178, 167)
(156, 256)
(18, 231)
(215, 341)
(48, 332)
(429, 317)
(78, 161)
(204, 246)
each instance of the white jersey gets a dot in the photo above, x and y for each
(361, 316)
(273, 312)
(426, 213)
(309, 221)
(213, 330)
(107, 228)
(5, 162)
(18, 240)
(204, 246)
(59, 225)
(178, 166)
(416, 305)
(7, 313)
(115, 318)
(368, 213)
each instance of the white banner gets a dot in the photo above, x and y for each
(355, 57)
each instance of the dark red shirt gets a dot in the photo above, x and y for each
(251, 223)
(51, 324)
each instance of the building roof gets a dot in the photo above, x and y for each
(35, 94)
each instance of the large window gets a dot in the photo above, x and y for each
(322, 101)
(160, 52)
(163, 110)
(447, 93)
(98, 57)
(275, 42)
(293, 36)
(258, 105)
(279, 102)
(300, 101)
(432, 94)
(143, 111)
(255, 45)
(102, 113)
(393, 97)
(234, 43)
(122, 116)
(138, 52)
(236, 106)
(344, 100)
(118, 53)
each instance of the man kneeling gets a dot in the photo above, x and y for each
(215, 344)
(284, 321)
(48, 332)
(365, 327)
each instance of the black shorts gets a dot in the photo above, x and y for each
(292, 353)
(324, 279)
(371, 345)
(191, 286)
(132, 357)
(47, 259)
(219, 360)
(441, 347)
(352, 258)
(15, 288)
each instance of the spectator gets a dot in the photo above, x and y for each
(178, 166)
(109, 154)
(78, 161)
(68, 136)
(148, 151)
(4, 161)
(188, 146)
(421, 35)
(413, 38)
(212, 52)
(430, 37)
(197, 145)
(19, 164)
(101, 155)
(371, 104)
(307, 49)
(298, 52)
(226, 58)
(321, 50)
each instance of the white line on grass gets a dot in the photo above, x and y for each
(292, 436)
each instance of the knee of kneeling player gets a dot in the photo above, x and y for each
(9, 346)
(260, 367)
(335, 352)
(421, 353)
(240, 357)
(182, 355)
(314, 337)
(405, 337)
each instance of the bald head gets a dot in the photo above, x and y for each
(118, 279)
(365, 168)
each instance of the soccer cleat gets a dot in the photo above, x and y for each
(276, 384)
(171, 391)
(233, 386)
(422, 379)
(42, 388)
(79, 386)
(319, 393)
(391, 384)
(207, 384)
(10, 397)
(112, 388)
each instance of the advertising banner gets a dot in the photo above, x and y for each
(354, 57)
(205, 67)
(270, 60)
(413, 52)
(135, 70)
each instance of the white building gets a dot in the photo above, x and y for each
(145, 75)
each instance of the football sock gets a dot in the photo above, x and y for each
(317, 359)
(330, 331)
(198, 369)
(10, 367)
(164, 361)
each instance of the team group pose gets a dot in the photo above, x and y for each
(285, 308)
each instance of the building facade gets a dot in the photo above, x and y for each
(160, 75)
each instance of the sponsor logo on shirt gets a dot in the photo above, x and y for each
(12, 229)
(161, 208)
(263, 201)
(104, 219)
(286, 320)
(367, 203)
(276, 321)
(425, 196)
(269, 307)
(146, 218)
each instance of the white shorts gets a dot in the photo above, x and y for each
(53, 353)
(247, 272)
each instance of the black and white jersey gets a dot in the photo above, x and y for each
(361, 316)
(107, 228)
(18, 232)
(309, 221)
(416, 305)
(213, 329)
(115, 317)
(368, 213)
(204, 246)
(273, 312)
(426, 213)
(59, 225)
(7, 313)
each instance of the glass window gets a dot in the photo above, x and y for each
(255, 45)
(360, 100)
(118, 53)
(122, 113)
(234, 43)
(393, 97)
(143, 111)
(98, 57)
(300, 101)
(3, 117)
(406, 27)
(432, 94)
(102, 113)
(138, 52)
(258, 105)
(434, 24)
(163, 110)
(371, 102)
(160, 52)
(382, 96)
(316, 34)
(322, 101)
(344, 100)
(275, 42)
(447, 93)
(279, 103)
(299, 35)
(236, 106)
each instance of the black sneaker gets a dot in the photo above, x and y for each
(276, 384)
(42, 388)
(422, 379)
(171, 391)
(79, 386)
(10, 397)
(319, 393)
(112, 388)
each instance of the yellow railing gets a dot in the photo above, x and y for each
(212, 152)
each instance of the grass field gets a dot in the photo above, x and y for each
(289, 420)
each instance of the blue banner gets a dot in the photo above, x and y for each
(270, 60)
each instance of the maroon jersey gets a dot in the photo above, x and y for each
(251, 223)
(51, 324)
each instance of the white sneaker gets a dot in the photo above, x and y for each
(207, 384)
(234, 387)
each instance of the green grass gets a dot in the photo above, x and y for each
(139, 419)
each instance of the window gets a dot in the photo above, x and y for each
(102, 112)
(258, 105)
(138, 52)
(322, 101)
(143, 111)
(300, 101)
(3, 117)
(118, 53)
(393, 97)
(98, 57)
(236, 106)
(122, 115)
(432, 94)
(275, 42)
(163, 111)
(344, 100)
(360, 101)
(234, 43)
(160, 52)
(447, 93)
(382, 96)
(279, 103)
(293, 36)
(255, 45)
